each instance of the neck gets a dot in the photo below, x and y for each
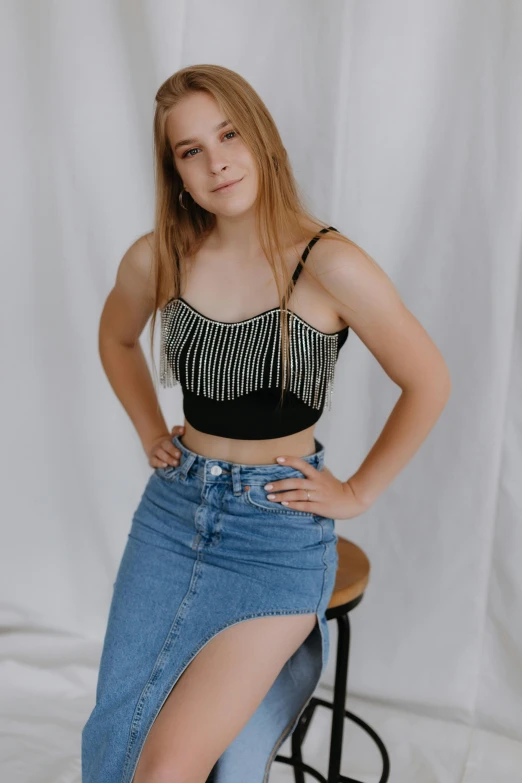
(236, 236)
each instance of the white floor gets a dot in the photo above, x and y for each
(46, 700)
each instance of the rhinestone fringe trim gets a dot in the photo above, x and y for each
(226, 360)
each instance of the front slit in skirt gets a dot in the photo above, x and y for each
(206, 550)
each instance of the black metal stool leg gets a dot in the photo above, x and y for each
(341, 678)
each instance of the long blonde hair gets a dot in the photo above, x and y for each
(280, 209)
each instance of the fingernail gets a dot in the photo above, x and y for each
(269, 486)
(270, 497)
(284, 502)
(281, 459)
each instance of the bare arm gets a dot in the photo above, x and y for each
(368, 301)
(127, 309)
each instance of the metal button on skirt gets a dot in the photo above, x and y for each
(206, 550)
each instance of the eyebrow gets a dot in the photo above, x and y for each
(183, 142)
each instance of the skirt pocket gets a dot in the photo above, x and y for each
(256, 495)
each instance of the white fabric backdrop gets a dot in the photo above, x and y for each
(403, 123)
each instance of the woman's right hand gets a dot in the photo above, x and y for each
(163, 452)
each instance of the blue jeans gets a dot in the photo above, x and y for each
(205, 550)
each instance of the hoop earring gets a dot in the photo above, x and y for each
(180, 199)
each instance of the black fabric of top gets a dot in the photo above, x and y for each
(257, 415)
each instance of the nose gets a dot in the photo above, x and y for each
(216, 162)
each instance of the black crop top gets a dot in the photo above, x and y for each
(230, 371)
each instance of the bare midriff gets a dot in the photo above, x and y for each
(249, 452)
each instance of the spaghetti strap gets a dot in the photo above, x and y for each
(297, 270)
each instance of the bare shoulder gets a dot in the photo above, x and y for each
(349, 275)
(365, 297)
(334, 254)
(135, 267)
(130, 303)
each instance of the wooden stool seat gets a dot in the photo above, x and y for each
(353, 572)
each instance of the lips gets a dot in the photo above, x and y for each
(227, 185)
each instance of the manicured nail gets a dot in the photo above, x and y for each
(281, 459)
(284, 502)
(268, 486)
(270, 497)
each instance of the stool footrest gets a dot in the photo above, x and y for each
(303, 726)
(313, 772)
(297, 764)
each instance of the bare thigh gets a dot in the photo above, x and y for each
(216, 695)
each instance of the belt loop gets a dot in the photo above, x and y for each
(186, 466)
(236, 479)
(319, 448)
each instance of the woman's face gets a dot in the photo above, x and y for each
(207, 155)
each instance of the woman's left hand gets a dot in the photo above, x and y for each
(329, 497)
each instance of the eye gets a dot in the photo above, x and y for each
(186, 154)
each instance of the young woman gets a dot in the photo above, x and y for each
(216, 635)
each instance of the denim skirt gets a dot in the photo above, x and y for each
(206, 550)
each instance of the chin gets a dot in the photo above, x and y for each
(235, 210)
